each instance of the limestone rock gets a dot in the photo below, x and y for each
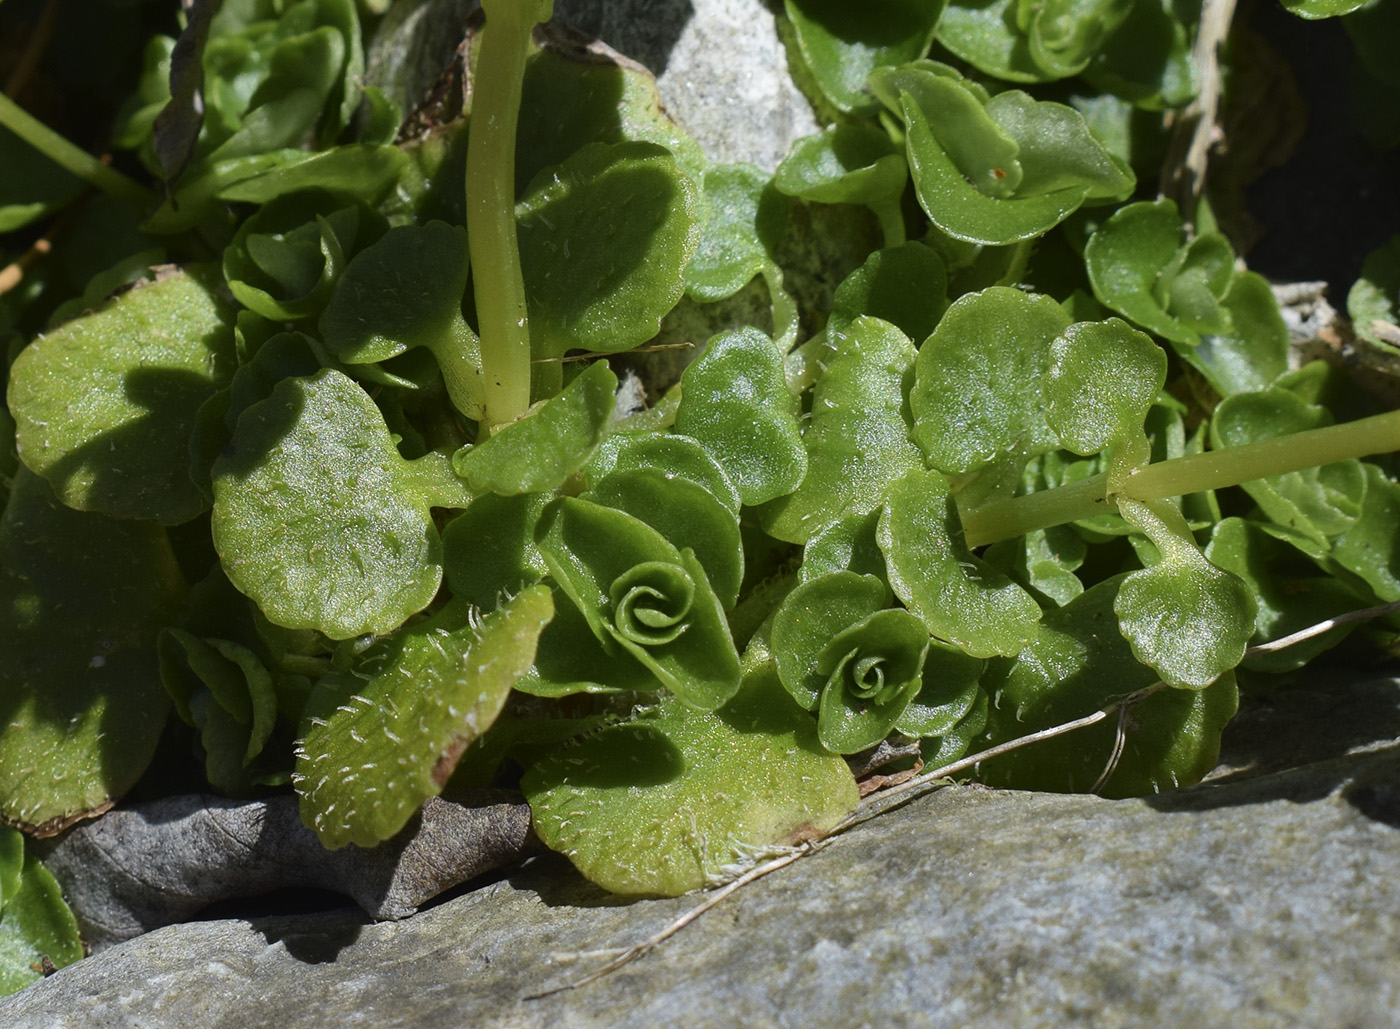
(1270, 897)
(720, 66)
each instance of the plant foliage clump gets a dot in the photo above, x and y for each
(356, 461)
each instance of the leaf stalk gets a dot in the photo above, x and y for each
(490, 185)
(1006, 519)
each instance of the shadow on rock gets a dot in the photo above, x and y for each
(313, 939)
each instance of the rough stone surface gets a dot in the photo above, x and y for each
(720, 66)
(1269, 897)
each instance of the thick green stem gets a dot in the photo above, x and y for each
(71, 158)
(495, 254)
(1007, 519)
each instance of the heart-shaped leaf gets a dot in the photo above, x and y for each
(1184, 617)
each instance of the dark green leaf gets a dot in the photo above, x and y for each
(1077, 663)
(82, 598)
(604, 242)
(406, 291)
(841, 44)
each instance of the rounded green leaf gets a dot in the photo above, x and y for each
(316, 516)
(810, 616)
(960, 598)
(671, 803)
(673, 454)
(1103, 377)
(1370, 547)
(841, 43)
(82, 598)
(688, 515)
(906, 285)
(985, 33)
(858, 440)
(358, 169)
(1315, 9)
(872, 671)
(847, 545)
(615, 567)
(1019, 42)
(978, 392)
(1148, 60)
(948, 689)
(1056, 150)
(1253, 352)
(489, 550)
(104, 405)
(406, 291)
(540, 451)
(604, 242)
(955, 114)
(735, 401)
(743, 218)
(1291, 592)
(1185, 618)
(384, 737)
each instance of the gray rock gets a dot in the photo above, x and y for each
(1267, 898)
(720, 66)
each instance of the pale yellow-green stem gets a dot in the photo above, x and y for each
(70, 157)
(495, 254)
(1006, 519)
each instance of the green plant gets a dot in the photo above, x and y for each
(366, 504)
